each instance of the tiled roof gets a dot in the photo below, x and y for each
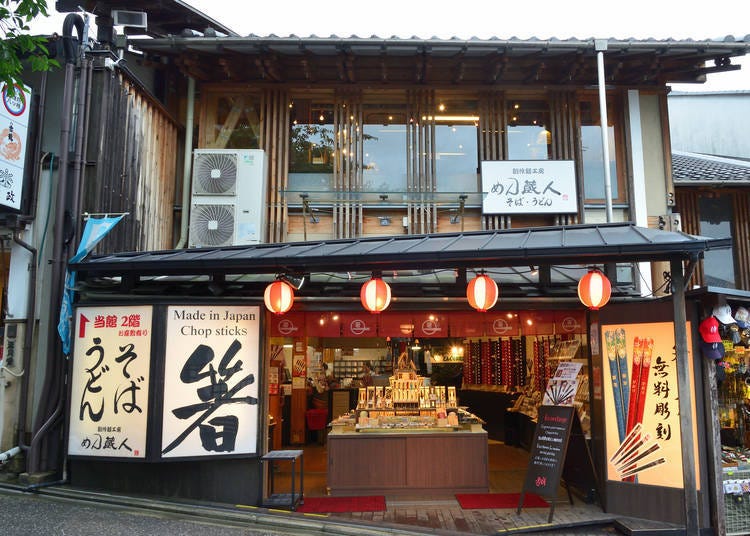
(696, 169)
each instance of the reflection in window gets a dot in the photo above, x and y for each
(529, 137)
(384, 151)
(311, 146)
(232, 122)
(716, 222)
(456, 158)
(593, 154)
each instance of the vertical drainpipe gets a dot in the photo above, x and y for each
(53, 389)
(601, 45)
(187, 165)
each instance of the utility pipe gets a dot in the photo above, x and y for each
(53, 379)
(187, 163)
(28, 334)
(8, 454)
(601, 45)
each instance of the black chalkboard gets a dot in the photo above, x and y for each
(547, 456)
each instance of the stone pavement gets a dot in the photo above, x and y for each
(62, 510)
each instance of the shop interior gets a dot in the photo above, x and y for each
(494, 384)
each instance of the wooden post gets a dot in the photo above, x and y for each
(299, 391)
(686, 399)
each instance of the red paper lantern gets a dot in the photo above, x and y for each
(375, 295)
(482, 293)
(279, 297)
(594, 289)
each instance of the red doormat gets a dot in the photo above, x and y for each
(476, 501)
(319, 505)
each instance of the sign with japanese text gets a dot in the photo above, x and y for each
(14, 128)
(641, 403)
(529, 187)
(110, 381)
(211, 376)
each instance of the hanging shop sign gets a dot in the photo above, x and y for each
(110, 379)
(14, 128)
(360, 324)
(467, 324)
(289, 325)
(571, 322)
(529, 187)
(211, 376)
(430, 325)
(505, 324)
(642, 408)
(323, 324)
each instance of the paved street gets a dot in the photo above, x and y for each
(30, 514)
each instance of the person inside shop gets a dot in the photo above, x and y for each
(330, 380)
(366, 379)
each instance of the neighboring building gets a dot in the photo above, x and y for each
(712, 197)
(209, 139)
(711, 123)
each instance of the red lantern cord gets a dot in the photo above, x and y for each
(482, 293)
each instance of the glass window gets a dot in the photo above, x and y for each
(456, 158)
(384, 150)
(528, 134)
(456, 145)
(716, 222)
(311, 146)
(593, 154)
(232, 122)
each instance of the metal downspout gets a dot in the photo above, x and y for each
(53, 386)
(82, 124)
(28, 336)
(601, 45)
(187, 165)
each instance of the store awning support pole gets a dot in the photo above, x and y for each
(686, 399)
(601, 45)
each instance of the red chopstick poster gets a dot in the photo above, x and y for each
(650, 450)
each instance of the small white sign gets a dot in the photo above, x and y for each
(14, 126)
(211, 376)
(529, 187)
(110, 382)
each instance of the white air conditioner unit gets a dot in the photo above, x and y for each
(130, 19)
(228, 202)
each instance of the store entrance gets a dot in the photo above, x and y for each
(498, 380)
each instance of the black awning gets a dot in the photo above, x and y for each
(576, 244)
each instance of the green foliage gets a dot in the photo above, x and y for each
(16, 45)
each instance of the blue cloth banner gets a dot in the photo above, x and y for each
(95, 230)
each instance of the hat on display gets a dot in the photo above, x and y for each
(723, 314)
(709, 330)
(712, 350)
(742, 316)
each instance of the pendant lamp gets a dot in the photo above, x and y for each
(279, 297)
(375, 295)
(482, 293)
(594, 289)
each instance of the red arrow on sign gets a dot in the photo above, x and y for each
(82, 327)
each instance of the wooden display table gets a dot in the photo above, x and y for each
(414, 462)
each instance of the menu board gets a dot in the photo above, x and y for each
(547, 456)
